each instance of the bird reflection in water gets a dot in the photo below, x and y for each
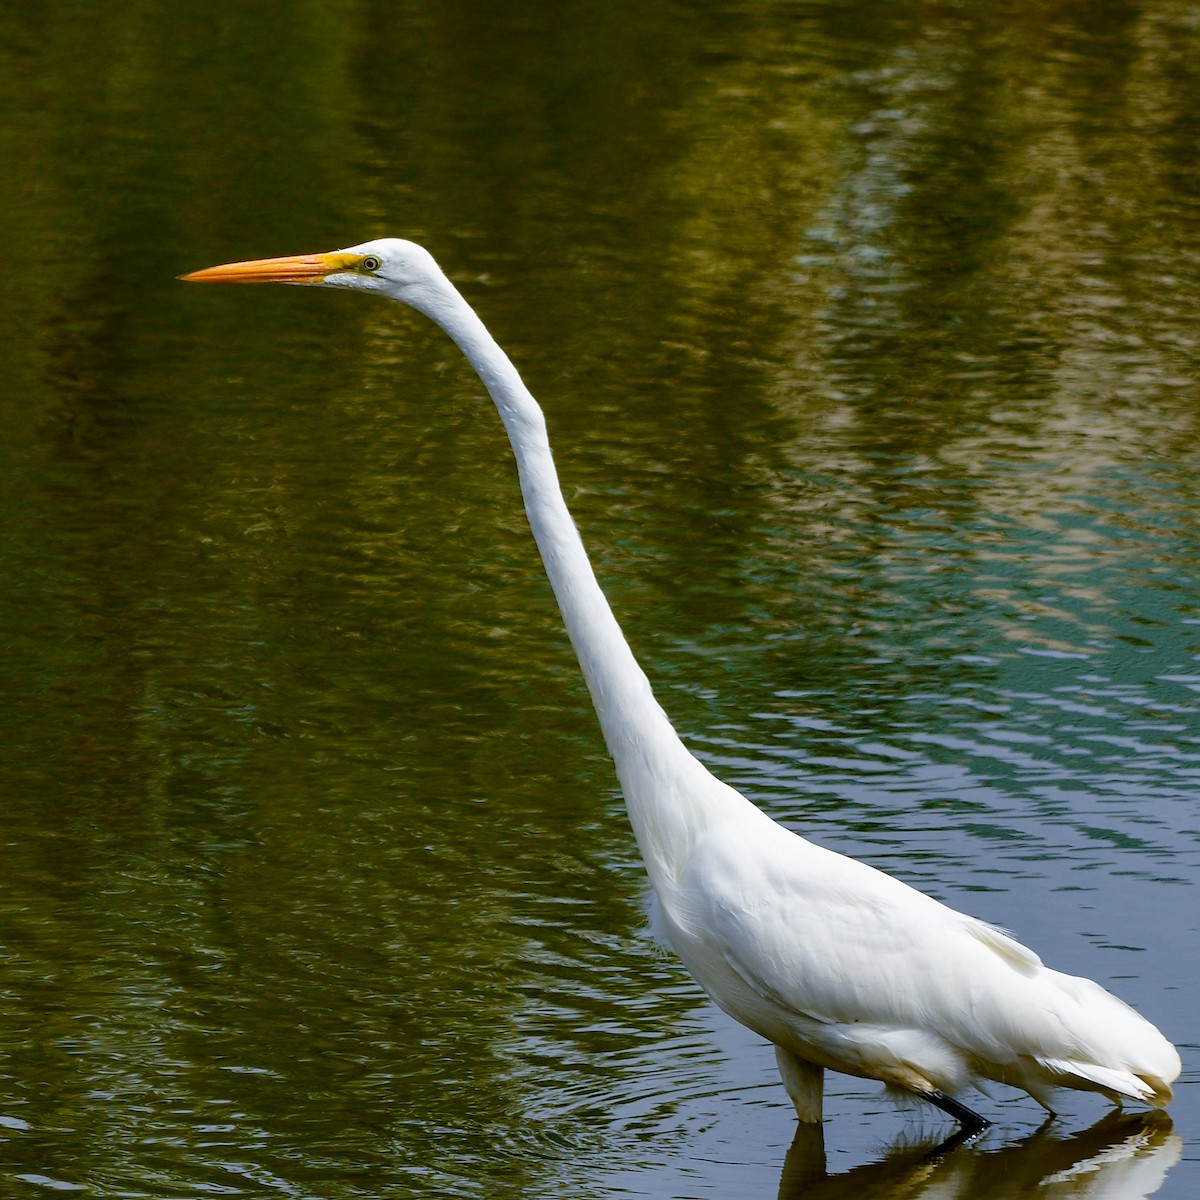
(1125, 1156)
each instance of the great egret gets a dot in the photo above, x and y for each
(837, 964)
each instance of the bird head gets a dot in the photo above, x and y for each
(391, 266)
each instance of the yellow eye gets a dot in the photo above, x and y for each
(371, 263)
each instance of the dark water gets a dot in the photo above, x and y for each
(868, 338)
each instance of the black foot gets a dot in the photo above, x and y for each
(970, 1120)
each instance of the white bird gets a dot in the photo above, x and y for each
(837, 964)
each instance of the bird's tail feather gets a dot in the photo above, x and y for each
(1147, 1088)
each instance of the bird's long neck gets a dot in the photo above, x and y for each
(654, 767)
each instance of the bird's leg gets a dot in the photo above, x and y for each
(970, 1120)
(1042, 1096)
(805, 1083)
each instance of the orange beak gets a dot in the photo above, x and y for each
(297, 268)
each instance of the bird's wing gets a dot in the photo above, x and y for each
(820, 940)
(836, 941)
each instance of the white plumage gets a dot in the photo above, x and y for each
(887, 983)
(836, 963)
